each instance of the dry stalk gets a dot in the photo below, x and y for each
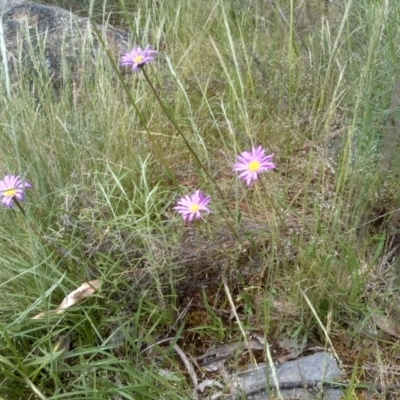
(392, 130)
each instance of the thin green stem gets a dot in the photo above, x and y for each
(142, 121)
(172, 119)
(17, 203)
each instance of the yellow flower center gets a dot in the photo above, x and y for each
(138, 59)
(194, 208)
(254, 166)
(10, 192)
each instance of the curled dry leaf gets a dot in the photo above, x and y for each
(83, 291)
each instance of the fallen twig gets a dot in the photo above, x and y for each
(189, 368)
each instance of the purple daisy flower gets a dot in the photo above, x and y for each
(137, 58)
(250, 163)
(11, 186)
(190, 206)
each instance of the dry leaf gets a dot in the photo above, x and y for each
(287, 344)
(209, 383)
(292, 347)
(213, 359)
(83, 291)
(293, 355)
(63, 345)
(384, 323)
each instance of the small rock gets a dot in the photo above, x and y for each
(319, 366)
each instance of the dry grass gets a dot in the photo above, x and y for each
(308, 254)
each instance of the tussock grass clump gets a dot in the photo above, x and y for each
(307, 252)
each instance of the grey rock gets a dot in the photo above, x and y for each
(253, 384)
(45, 39)
(6, 3)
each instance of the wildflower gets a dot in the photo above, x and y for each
(11, 186)
(137, 58)
(190, 206)
(250, 163)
